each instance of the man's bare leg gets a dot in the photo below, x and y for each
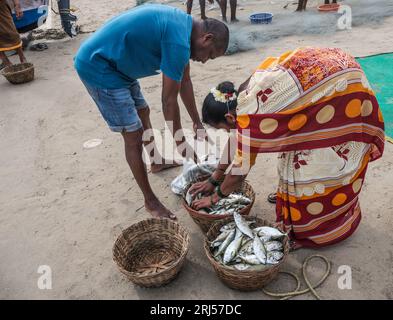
(5, 59)
(202, 4)
(22, 57)
(133, 150)
(233, 4)
(223, 6)
(144, 115)
(189, 6)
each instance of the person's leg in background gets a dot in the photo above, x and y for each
(233, 4)
(22, 57)
(223, 7)
(5, 61)
(189, 6)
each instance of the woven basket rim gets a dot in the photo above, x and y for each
(185, 250)
(221, 216)
(219, 265)
(29, 66)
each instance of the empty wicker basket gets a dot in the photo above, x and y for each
(205, 220)
(151, 252)
(19, 73)
(246, 280)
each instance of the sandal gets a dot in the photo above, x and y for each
(272, 197)
(39, 47)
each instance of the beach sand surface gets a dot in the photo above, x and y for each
(63, 206)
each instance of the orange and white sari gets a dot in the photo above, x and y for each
(316, 109)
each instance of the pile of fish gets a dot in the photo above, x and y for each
(242, 247)
(229, 205)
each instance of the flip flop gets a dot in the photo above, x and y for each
(272, 197)
(39, 47)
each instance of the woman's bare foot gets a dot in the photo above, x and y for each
(293, 245)
(158, 210)
(154, 168)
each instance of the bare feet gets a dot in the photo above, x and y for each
(157, 210)
(234, 20)
(154, 168)
(293, 245)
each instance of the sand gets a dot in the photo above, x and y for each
(63, 205)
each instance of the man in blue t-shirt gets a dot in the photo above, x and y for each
(142, 42)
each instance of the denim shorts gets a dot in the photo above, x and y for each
(119, 107)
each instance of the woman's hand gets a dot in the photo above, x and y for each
(201, 187)
(205, 202)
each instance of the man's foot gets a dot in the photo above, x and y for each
(234, 20)
(203, 17)
(224, 19)
(154, 168)
(157, 210)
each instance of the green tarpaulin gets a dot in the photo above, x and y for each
(379, 72)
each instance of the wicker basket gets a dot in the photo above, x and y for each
(19, 73)
(151, 252)
(205, 220)
(246, 280)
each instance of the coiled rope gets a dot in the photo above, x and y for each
(311, 288)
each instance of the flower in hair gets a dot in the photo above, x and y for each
(223, 97)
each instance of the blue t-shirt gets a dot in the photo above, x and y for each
(138, 43)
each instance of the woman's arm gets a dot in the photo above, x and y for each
(244, 85)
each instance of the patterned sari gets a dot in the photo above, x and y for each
(315, 108)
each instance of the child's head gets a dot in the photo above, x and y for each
(219, 106)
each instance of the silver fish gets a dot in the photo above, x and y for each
(221, 237)
(242, 225)
(269, 231)
(188, 198)
(274, 257)
(259, 250)
(229, 226)
(232, 249)
(273, 245)
(241, 266)
(250, 259)
(226, 243)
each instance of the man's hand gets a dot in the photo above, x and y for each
(201, 133)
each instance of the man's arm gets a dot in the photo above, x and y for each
(188, 98)
(170, 108)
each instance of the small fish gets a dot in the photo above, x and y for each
(229, 226)
(250, 259)
(273, 245)
(259, 250)
(188, 198)
(274, 257)
(242, 225)
(272, 232)
(226, 243)
(246, 248)
(241, 266)
(233, 248)
(221, 237)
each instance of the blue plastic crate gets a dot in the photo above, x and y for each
(264, 17)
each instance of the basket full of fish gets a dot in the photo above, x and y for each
(240, 201)
(246, 252)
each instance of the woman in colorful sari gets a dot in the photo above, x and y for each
(315, 108)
